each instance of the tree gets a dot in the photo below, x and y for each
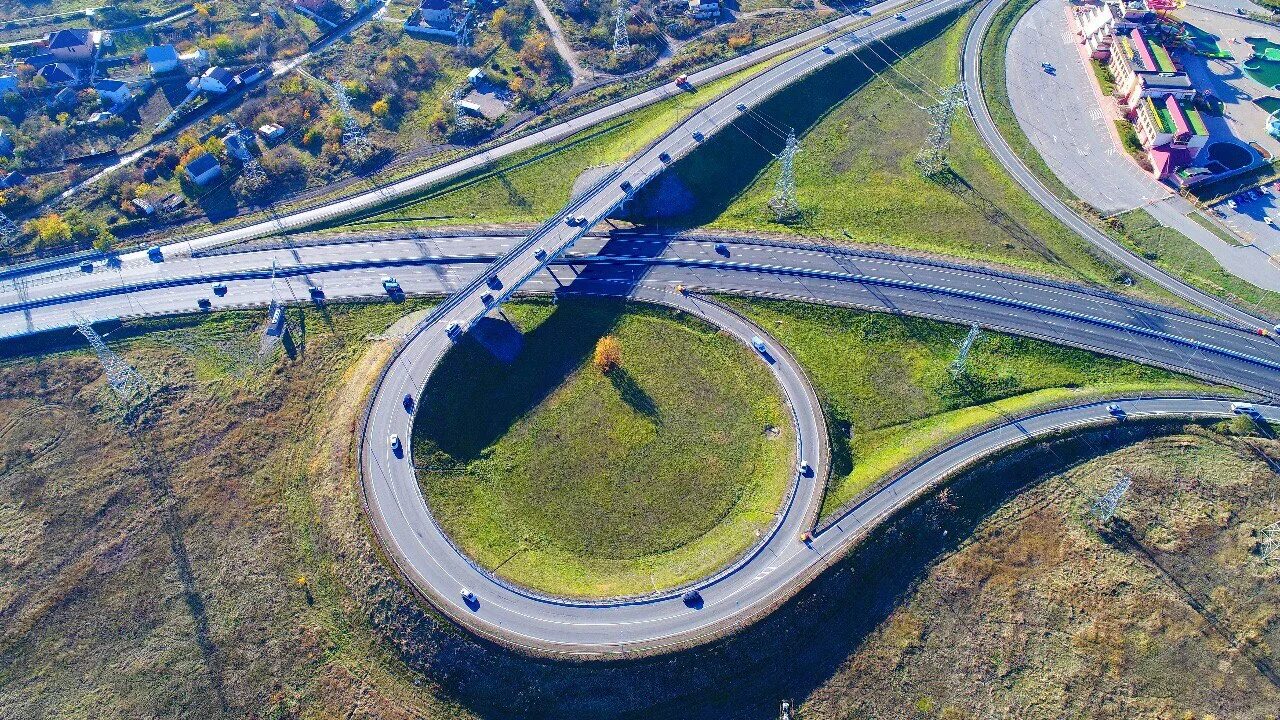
(608, 354)
(50, 229)
(380, 108)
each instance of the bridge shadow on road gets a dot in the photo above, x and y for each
(788, 654)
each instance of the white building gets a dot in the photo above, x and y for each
(162, 58)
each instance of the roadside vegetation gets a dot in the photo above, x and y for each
(1174, 253)
(188, 562)
(609, 449)
(1039, 613)
(889, 396)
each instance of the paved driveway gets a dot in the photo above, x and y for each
(1062, 115)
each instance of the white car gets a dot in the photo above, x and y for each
(1242, 408)
(469, 597)
(395, 443)
(1115, 410)
(758, 344)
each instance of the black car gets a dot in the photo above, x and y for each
(408, 403)
(693, 599)
(316, 293)
(487, 299)
(494, 283)
(664, 157)
(204, 303)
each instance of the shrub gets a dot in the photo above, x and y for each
(608, 354)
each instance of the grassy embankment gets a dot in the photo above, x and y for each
(574, 482)
(209, 559)
(1036, 614)
(1172, 252)
(888, 395)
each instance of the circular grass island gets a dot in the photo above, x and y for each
(575, 482)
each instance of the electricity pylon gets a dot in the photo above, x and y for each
(1270, 548)
(8, 231)
(784, 204)
(932, 158)
(121, 376)
(621, 40)
(957, 365)
(353, 137)
(1104, 508)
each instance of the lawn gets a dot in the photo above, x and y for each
(1174, 253)
(577, 483)
(885, 386)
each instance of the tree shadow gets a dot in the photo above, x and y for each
(634, 395)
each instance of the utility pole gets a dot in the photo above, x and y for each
(932, 158)
(621, 40)
(958, 365)
(784, 204)
(1104, 508)
(121, 376)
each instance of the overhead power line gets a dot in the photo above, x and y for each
(784, 204)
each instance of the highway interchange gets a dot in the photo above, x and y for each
(562, 258)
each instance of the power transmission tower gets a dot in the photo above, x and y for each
(784, 204)
(1104, 508)
(957, 365)
(932, 158)
(621, 40)
(353, 137)
(121, 376)
(8, 231)
(1270, 548)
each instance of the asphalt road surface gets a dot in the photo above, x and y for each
(970, 72)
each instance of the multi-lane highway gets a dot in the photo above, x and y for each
(478, 272)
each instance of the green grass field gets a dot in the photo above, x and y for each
(569, 481)
(888, 396)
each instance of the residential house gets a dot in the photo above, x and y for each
(113, 92)
(8, 83)
(195, 59)
(162, 58)
(12, 180)
(704, 9)
(237, 145)
(272, 132)
(99, 117)
(6, 144)
(72, 45)
(217, 80)
(435, 18)
(143, 206)
(250, 74)
(203, 169)
(1172, 131)
(59, 74)
(66, 98)
(436, 11)
(39, 60)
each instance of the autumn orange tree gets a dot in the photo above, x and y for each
(608, 355)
